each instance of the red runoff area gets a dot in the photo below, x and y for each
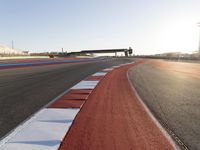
(113, 118)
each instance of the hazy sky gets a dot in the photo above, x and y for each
(148, 26)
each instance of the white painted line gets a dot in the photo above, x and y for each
(122, 65)
(85, 85)
(126, 64)
(129, 63)
(108, 69)
(115, 66)
(79, 87)
(46, 131)
(100, 74)
(88, 82)
(46, 128)
(18, 129)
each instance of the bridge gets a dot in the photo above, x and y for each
(127, 52)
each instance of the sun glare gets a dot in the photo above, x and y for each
(180, 36)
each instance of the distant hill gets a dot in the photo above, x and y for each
(5, 50)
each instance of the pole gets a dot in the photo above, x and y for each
(199, 40)
(12, 44)
(199, 37)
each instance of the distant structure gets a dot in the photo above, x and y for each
(12, 44)
(89, 53)
(127, 52)
(7, 51)
(25, 52)
(173, 56)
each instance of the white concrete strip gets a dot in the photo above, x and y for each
(46, 131)
(122, 65)
(108, 69)
(46, 128)
(130, 63)
(85, 85)
(115, 66)
(88, 82)
(18, 129)
(99, 74)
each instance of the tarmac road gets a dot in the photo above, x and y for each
(23, 91)
(172, 92)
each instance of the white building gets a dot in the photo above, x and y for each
(5, 50)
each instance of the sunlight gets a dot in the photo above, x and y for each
(179, 35)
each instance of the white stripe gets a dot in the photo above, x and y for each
(115, 66)
(130, 63)
(108, 69)
(46, 130)
(85, 85)
(122, 65)
(100, 74)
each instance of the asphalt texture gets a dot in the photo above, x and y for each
(23, 91)
(171, 91)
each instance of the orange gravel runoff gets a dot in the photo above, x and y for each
(113, 118)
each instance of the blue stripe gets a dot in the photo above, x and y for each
(51, 62)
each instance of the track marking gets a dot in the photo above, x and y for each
(85, 85)
(46, 128)
(45, 131)
(100, 74)
(108, 69)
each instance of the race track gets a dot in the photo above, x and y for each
(172, 90)
(25, 90)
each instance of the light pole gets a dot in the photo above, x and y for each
(199, 37)
(12, 44)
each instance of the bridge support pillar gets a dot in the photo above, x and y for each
(126, 53)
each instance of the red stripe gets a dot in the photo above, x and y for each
(67, 104)
(70, 96)
(72, 99)
(95, 78)
(74, 91)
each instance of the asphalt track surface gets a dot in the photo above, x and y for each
(40, 62)
(171, 91)
(113, 118)
(23, 91)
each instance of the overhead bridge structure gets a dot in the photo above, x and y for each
(127, 52)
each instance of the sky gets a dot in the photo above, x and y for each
(148, 26)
